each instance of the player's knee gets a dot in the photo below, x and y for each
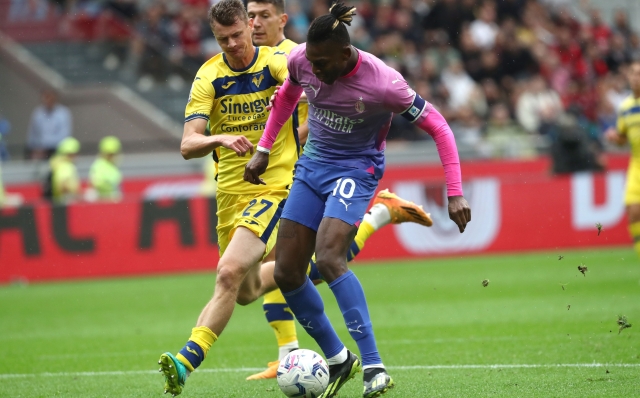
(288, 280)
(229, 278)
(330, 267)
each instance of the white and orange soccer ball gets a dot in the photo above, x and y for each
(303, 373)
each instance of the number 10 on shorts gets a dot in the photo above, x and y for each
(344, 184)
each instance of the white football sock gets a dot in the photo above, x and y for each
(378, 216)
(338, 358)
(286, 349)
(375, 365)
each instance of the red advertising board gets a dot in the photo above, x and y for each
(162, 225)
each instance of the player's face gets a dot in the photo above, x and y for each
(634, 77)
(328, 60)
(235, 40)
(267, 23)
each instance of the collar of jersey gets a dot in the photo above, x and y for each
(355, 68)
(253, 61)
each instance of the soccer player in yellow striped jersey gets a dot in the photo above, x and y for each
(229, 94)
(269, 20)
(628, 131)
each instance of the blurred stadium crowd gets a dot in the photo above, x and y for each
(507, 74)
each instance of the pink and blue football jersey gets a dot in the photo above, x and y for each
(349, 119)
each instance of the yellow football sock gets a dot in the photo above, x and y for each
(280, 318)
(364, 232)
(197, 348)
(634, 230)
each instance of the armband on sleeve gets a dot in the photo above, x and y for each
(415, 110)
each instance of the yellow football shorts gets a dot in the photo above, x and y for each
(258, 212)
(632, 191)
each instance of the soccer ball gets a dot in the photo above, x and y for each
(303, 373)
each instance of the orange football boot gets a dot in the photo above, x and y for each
(269, 373)
(402, 210)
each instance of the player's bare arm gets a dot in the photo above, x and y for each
(196, 145)
(614, 137)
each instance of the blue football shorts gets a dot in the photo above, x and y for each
(322, 190)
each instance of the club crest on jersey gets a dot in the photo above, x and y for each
(359, 105)
(257, 79)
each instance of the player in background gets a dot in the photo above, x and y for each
(104, 175)
(65, 181)
(269, 20)
(352, 96)
(229, 94)
(628, 131)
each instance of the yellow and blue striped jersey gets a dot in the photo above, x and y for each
(234, 102)
(299, 117)
(629, 124)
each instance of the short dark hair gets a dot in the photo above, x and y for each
(278, 4)
(227, 12)
(332, 26)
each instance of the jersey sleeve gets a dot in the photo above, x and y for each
(401, 99)
(278, 66)
(200, 100)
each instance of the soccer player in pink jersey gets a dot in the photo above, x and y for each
(352, 96)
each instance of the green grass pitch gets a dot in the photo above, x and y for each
(440, 332)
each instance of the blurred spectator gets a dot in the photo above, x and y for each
(448, 15)
(296, 28)
(515, 60)
(598, 30)
(104, 175)
(127, 9)
(617, 54)
(505, 137)
(571, 150)
(615, 90)
(537, 102)
(621, 24)
(467, 128)
(154, 46)
(191, 30)
(484, 30)
(570, 53)
(5, 127)
(50, 124)
(461, 88)
(441, 54)
(63, 184)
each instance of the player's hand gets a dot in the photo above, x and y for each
(256, 166)
(613, 137)
(237, 143)
(273, 98)
(459, 211)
